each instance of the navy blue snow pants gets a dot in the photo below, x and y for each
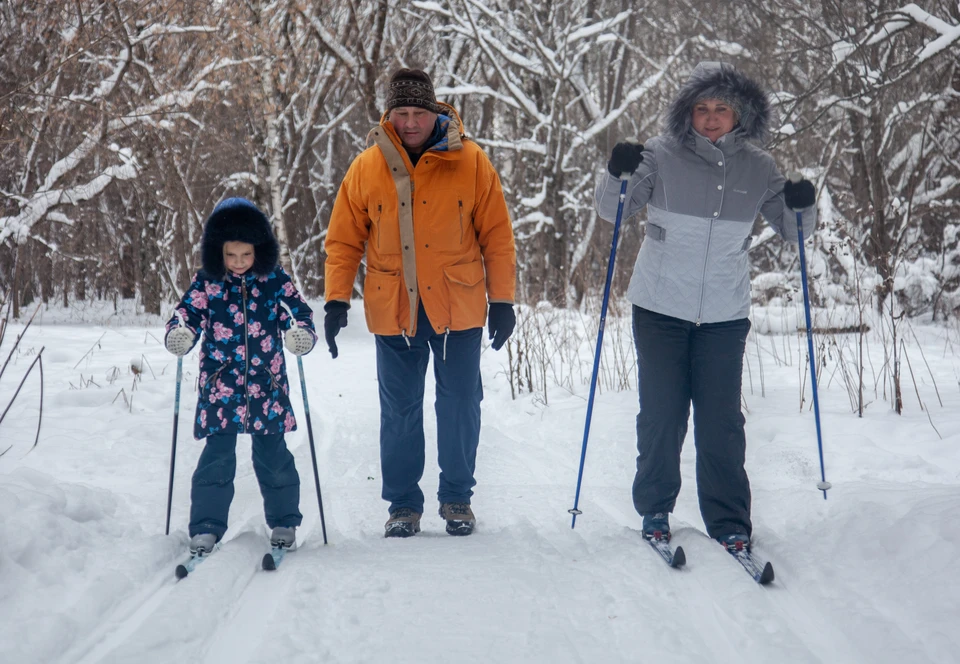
(682, 363)
(401, 371)
(212, 489)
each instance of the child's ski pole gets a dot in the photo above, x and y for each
(176, 421)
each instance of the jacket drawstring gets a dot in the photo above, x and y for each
(446, 335)
(405, 337)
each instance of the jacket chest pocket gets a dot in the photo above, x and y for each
(386, 228)
(447, 217)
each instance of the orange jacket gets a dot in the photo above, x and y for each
(438, 232)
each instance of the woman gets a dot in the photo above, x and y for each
(703, 182)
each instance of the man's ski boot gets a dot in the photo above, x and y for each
(459, 517)
(403, 522)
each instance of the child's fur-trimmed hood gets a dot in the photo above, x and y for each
(238, 220)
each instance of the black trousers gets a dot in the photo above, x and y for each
(682, 363)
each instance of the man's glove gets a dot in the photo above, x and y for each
(333, 322)
(500, 322)
(625, 158)
(179, 341)
(799, 195)
(298, 340)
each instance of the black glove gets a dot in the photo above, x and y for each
(625, 158)
(500, 322)
(799, 195)
(333, 322)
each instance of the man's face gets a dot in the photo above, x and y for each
(414, 125)
(238, 256)
(713, 118)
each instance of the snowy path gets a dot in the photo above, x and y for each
(524, 588)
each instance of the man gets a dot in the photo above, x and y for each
(426, 207)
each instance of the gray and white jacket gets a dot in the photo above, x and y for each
(702, 199)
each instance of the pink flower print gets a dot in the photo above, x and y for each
(217, 355)
(198, 299)
(253, 306)
(254, 329)
(257, 424)
(223, 421)
(233, 308)
(220, 333)
(266, 345)
(203, 377)
(277, 408)
(288, 289)
(238, 318)
(203, 419)
(266, 407)
(240, 352)
(255, 291)
(241, 412)
(240, 380)
(288, 422)
(255, 391)
(255, 361)
(220, 391)
(212, 290)
(276, 363)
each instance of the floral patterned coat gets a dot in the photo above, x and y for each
(243, 379)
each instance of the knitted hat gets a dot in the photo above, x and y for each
(411, 87)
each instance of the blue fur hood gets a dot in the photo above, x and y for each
(238, 220)
(721, 81)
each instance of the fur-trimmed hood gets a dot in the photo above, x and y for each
(721, 81)
(238, 220)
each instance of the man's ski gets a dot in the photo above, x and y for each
(760, 570)
(272, 560)
(676, 558)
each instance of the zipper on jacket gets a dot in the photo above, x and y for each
(379, 227)
(703, 273)
(216, 373)
(246, 355)
(460, 205)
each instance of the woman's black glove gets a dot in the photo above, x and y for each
(333, 322)
(625, 158)
(799, 195)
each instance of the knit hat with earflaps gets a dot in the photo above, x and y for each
(411, 87)
(238, 220)
(718, 80)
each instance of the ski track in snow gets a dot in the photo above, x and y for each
(524, 587)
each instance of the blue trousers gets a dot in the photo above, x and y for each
(682, 363)
(401, 371)
(212, 489)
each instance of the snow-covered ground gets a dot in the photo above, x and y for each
(86, 573)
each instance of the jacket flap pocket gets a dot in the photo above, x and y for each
(468, 274)
(655, 232)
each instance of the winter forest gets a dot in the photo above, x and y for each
(124, 122)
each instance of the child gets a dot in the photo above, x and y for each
(235, 303)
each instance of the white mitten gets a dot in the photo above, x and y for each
(298, 340)
(179, 341)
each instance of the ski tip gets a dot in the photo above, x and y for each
(181, 572)
(269, 563)
(679, 558)
(767, 575)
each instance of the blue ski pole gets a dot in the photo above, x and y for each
(176, 422)
(823, 484)
(306, 412)
(596, 357)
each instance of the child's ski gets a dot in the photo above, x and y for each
(195, 559)
(272, 560)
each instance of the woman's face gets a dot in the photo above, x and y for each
(713, 118)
